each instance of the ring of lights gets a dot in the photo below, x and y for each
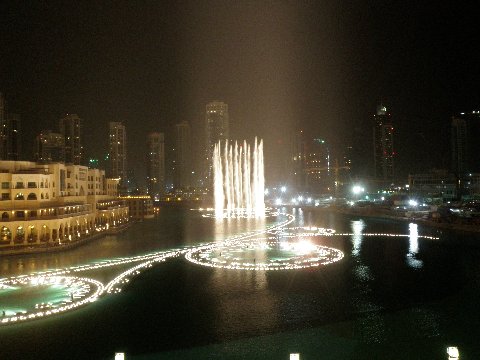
(89, 290)
(240, 255)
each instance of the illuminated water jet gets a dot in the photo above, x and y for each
(239, 181)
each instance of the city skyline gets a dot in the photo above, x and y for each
(313, 67)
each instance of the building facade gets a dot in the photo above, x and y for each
(156, 163)
(117, 160)
(217, 128)
(3, 128)
(183, 156)
(54, 204)
(383, 151)
(465, 144)
(318, 169)
(49, 147)
(71, 129)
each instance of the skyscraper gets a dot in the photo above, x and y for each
(317, 167)
(3, 128)
(13, 136)
(117, 161)
(71, 129)
(465, 135)
(10, 134)
(216, 128)
(183, 150)
(383, 145)
(155, 163)
(49, 147)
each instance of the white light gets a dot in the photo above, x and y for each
(357, 189)
(278, 201)
(283, 189)
(412, 203)
(119, 356)
(300, 198)
(295, 356)
(309, 200)
(453, 352)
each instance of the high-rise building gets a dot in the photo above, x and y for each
(3, 128)
(298, 160)
(10, 134)
(216, 129)
(13, 136)
(117, 161)
(318, 176)
(383, 145)
(71, 129)
(49, 147)
(465, 135)
(155, 163)
(183, 159)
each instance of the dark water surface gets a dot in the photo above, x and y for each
(389, 298)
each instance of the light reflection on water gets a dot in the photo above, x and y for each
(411, 257)
(376, 289)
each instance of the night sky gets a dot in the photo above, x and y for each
(284, 65)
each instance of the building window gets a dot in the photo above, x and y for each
(20, 234)
(19, 196)
(32, 185)
(19, 185)
(5, 185)
(32, 196)
(5, 234)
(5, 196)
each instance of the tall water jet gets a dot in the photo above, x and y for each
(239, 179)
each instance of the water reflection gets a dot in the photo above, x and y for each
(411, 257)
(357, 228)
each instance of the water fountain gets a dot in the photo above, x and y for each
(239, 180)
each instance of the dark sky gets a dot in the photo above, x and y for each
(280, 65)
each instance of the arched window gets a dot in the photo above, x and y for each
(41, 196)
(20, 236)
(19, 196)
(32, 236)
(5, 234)
(32, 196)
(45, 233)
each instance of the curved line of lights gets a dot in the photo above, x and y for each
(319, 255)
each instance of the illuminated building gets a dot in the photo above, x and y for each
(465, 132)
(71, 129)
(438, 184)
(317, 167)
(383, 145)
(3, 128)
(49, 147)
(183, 159)
(13, 136)
(10, 133)
(140, 207)
(155, 163)
(44, 205)
(117, 161)
(216, 129)
(298, 160)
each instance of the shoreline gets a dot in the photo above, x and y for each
(28, 250)
(464, 228)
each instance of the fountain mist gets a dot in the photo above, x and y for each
(239, 180)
